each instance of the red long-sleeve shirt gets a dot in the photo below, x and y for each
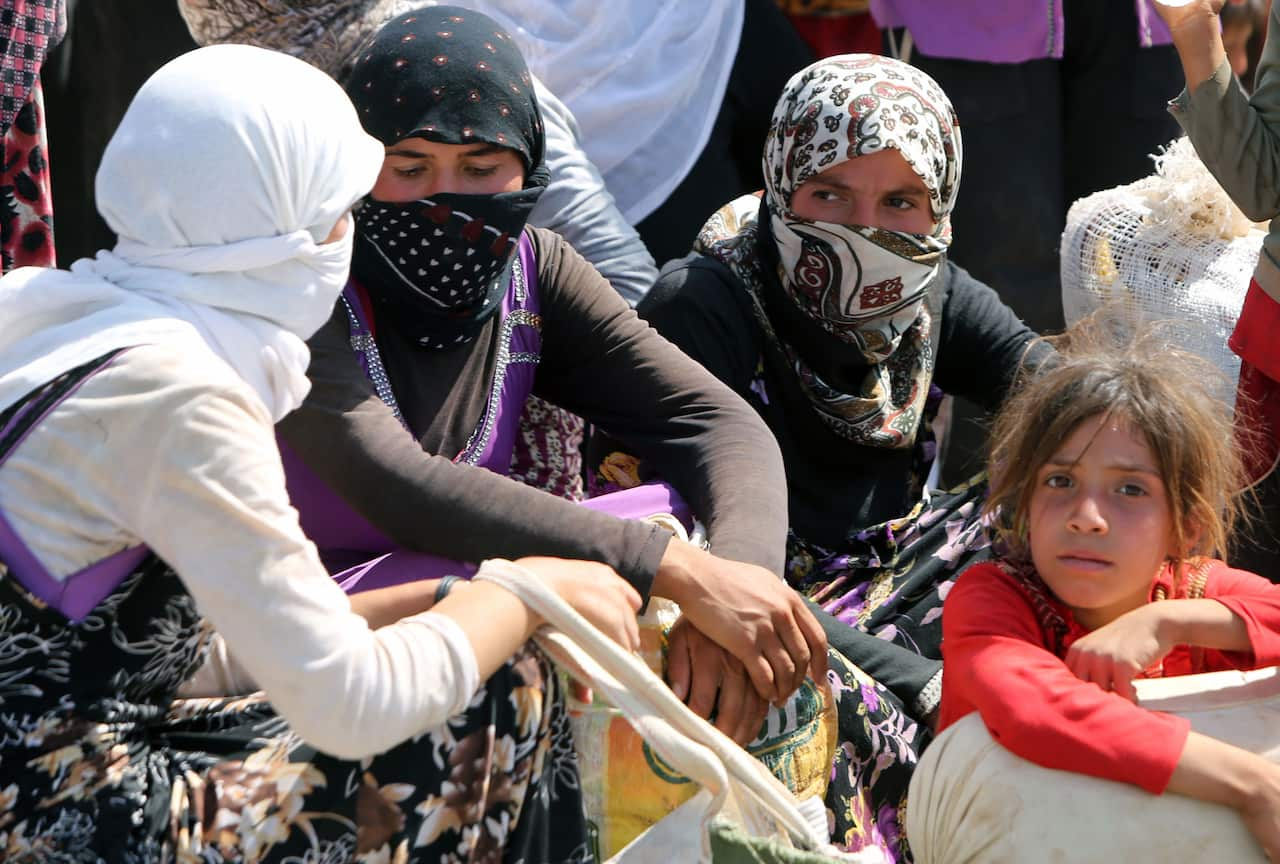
(1003, 658)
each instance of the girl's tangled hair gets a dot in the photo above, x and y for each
(1105, 368)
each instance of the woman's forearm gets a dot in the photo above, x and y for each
(384, 606)
(495, 621)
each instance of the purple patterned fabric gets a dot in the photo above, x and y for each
(355, 551)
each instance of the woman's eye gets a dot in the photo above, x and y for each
(1057, 481)
(1132, 490)
(407, 172)
(899, 203)
(478, 171)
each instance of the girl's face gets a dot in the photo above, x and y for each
(1099, 520)
(878, 190)
(416, 168)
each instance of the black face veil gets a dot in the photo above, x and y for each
(440, 265)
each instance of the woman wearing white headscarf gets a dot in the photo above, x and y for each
(143, 508)
(829, 303)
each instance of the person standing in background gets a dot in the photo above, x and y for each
(88, 80)
(1059, 100)
(28, 29)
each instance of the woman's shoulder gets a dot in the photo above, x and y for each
(696, 287)
(169, 379)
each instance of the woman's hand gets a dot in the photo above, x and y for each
(1176, 14)
(1116, 653)
(1197, 35)
(750, 613)
(596, 593)
(708, 678)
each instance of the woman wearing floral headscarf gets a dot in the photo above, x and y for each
(829, 303)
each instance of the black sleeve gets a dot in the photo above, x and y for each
(427, 503)
(698, 305)
(984, 345)
(602, 362)
(905, 673)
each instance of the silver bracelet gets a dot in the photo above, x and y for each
(445, 586)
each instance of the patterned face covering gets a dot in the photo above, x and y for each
(440, 266)
(860, 283)
(865, 285)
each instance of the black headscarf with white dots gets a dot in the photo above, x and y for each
(441, 265)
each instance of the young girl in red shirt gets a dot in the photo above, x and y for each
(1114, 484)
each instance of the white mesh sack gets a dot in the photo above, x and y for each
(1170, 247)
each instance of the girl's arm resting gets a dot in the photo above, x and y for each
(1118, 652)
(1255, 603)
(1032, 703)
(1037, 709)
(1213, 771)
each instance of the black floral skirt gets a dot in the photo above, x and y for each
(888, 582)
(127, 774)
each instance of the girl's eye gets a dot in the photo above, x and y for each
(480, 171)
(1057, 481)
(408, 172)
(899, 203)
(1132, 490)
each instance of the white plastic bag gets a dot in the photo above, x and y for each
(735, 786)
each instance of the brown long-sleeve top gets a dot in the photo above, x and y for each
(598, 360)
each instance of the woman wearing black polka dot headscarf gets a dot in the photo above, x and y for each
(456, 313)
(447, 92)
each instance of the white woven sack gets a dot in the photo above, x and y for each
(735, 785)
(974, 802)
(1171, 247)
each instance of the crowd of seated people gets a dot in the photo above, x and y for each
(383, 324)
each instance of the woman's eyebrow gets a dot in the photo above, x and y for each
(409, 152)
(485, 149)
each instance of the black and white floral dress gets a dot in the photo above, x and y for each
(100, 762)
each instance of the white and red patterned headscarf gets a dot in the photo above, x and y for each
(863, 284)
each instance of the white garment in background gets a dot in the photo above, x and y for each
(220, 204)
(578, 207)
(644, 78)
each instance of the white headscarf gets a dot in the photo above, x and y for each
(643, 78)
(229, 169)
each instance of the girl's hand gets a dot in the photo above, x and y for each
(1217, 772)
(596, 593)
(1116, 653)
(1261, 813)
